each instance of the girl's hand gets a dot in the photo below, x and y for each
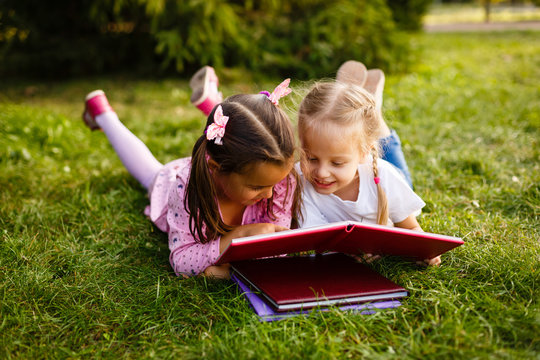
(412, 224)
(248, 230)
(436, 261)
(368, 258)
(218, 271)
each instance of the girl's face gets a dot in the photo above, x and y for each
(331, 164)
(254, 184)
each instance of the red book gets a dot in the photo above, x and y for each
(303, 282)
(347, 237)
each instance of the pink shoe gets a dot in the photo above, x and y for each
(352, 72)
(205, 90)
(375, 85)
(95, 103)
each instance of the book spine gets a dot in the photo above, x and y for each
(329, 245)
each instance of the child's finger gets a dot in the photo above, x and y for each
(370, 257)
(373, 258)
(280, 228)
(436, 261)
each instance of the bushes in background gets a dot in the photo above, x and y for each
(408, 13)
(307, 38)
(64, 38)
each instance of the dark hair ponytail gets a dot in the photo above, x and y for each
(201, 193)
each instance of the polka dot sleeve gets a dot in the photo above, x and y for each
(188, 257)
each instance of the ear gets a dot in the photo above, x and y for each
(213, 165)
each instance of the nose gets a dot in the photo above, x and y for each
(321, 172)
(267, 193)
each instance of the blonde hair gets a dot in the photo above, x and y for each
(351, 109)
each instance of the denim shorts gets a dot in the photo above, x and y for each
(392, 152)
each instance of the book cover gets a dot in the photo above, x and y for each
(347, 236)
(265, 312)
(304, 282)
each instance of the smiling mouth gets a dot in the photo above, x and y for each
(324, 184)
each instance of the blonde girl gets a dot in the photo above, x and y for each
(239, 180)
(339, 127)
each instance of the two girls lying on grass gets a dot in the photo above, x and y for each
(241, 180)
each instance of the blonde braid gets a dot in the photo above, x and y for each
(382, 201)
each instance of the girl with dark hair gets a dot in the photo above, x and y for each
(239, 181)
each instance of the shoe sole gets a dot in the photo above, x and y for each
(199, 76)
(94, 94)
(87, 116)
(375, 81)
(352, 72)
(197, 84)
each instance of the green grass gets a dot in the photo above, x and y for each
(475, 13)
(84, 274)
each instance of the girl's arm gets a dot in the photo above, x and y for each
(223, 271)
(248, 230)
(412, 224)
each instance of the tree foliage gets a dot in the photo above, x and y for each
(408, 13)
(63, 38)
(307, 38)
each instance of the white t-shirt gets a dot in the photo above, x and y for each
(321, 209)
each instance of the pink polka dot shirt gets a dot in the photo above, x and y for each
(166, 210)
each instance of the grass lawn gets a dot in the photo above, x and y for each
(85, 274)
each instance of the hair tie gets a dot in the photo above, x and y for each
(280, 91)
(377, 180)
(216, 130)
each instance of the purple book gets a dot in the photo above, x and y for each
(266, 313)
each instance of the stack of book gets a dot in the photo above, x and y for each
(284, 286)
(287, 286)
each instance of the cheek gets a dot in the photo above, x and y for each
(350, 173)
(311, 167)
(342, 173)
(248, 194)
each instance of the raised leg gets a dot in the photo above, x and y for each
(205, 94)
(134, 154)
(373, 81)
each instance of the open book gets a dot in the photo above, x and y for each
(347, 237)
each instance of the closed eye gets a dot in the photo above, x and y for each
(257, 188)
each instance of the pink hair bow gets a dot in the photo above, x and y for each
(216, 130)
(280, 91)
